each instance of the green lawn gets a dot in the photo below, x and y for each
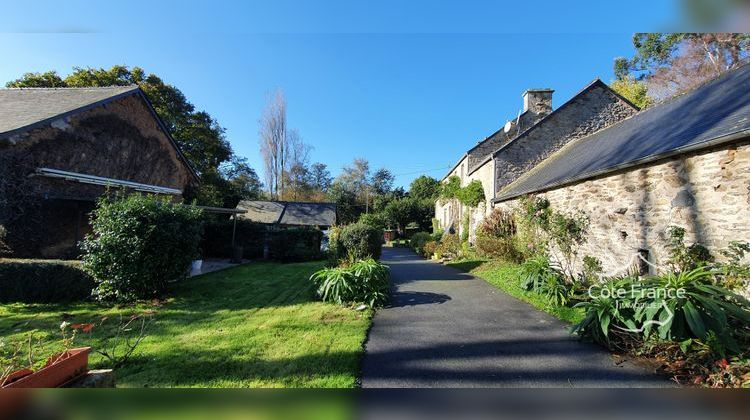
(506, 277)
(256, 325)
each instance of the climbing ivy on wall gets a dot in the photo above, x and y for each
(471, 195)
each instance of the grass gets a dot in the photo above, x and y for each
(506, 277)
(257, 325)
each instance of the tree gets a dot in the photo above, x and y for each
(633, 90)
(243, 180)
(299, 183)
(672, 63)
(356, 177)
(297, 177)
(399, 213)
(425, 187)
(273, 142)
(199, 136)
(37, 80)
(347, 207)
(381, 182)
(320, 177)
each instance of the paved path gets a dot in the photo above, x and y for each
(445, 328)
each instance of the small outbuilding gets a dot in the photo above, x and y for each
(61, 148)
(289, 213)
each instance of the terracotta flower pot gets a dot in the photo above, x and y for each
(59, 369)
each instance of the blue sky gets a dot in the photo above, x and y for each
(408, 87)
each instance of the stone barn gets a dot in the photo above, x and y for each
(61, 148)
(684, 162)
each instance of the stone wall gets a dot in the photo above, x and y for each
(707, 193)
(451, 212)
(594, 108)
(45, 217)
(484, 149)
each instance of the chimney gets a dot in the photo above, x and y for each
(538, 101)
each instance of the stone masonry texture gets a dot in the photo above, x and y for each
(595, 108)
(706, 192)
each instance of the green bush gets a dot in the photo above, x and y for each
(43, 281)
(217, 238)
(357, 241)
(539, 275)
(430, 248)
(449, 246)
(376, 220)
(295, 244)
(686, 257)
(698, 308)
(139, 245)
(365, 281)
(497, 247)
(418, 241)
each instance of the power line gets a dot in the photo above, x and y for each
(423, 171)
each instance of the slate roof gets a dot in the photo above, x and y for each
(714, 113)
(22, 108)
(289, 213)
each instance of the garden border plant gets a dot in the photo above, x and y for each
(139, 245)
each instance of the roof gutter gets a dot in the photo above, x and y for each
(98, 180)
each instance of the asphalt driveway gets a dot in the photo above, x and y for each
(445, 328)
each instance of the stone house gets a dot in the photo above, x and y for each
(685, 162)
(536, 133)
(60, 149)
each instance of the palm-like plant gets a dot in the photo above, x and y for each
(363, 281)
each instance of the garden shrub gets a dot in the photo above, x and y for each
(376, 220)
(418, 241)
(496, 237)
(733, 273)
(700, 309)
(430, 248)
(217, 238)
(539, 275)
(449, 246)
(365, 281)
(43, 281)
(139, 245)
(357, 241)
(592, 269)
(683, 257)
(497, 247)
(498, 223)
(295, 244)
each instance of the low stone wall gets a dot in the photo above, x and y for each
(707, 193)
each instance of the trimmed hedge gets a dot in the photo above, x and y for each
(295, 244)
(43, 281)
(292, 244)
(358, 241)
(418, 241)
(217, 238)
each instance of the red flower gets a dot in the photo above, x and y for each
(723, 363)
